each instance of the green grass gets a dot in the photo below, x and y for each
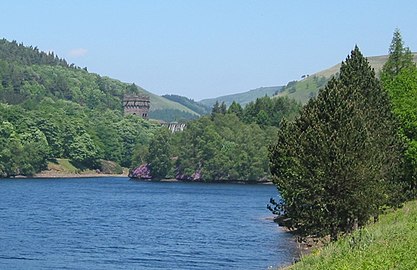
(305, 89)
(160, 103)
(390, 243)
(63, 166)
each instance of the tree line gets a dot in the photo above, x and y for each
(20, 54)
(62, 129)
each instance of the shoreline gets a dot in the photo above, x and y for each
(208, 182)
(51, 175)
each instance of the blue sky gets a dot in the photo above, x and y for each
(207, 48)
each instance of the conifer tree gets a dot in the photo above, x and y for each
(399, 78)
(335, 165)
(216, 109)
(400, 57)
(236, 108)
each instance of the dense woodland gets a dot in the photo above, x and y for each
(61, 129)
(229, 145)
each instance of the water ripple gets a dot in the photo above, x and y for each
(113, 223)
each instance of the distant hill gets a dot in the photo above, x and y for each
(308, 87)
(189, 103)
(160, 103)
(242, 98)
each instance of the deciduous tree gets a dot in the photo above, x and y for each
(403, 91)
(159, 156)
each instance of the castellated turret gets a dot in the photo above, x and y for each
(136, 105)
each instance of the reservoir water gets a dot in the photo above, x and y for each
(117, 223)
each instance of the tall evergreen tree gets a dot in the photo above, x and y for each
(218, 109)
(400, 57)
(335, 165)
(399, 78)
(235, 108)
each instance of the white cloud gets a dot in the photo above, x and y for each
(78, 52)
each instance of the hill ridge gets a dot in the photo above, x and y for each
(308, 87)
(242, 98)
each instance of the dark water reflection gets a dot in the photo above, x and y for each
(114, 223)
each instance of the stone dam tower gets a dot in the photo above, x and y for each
(137, 105)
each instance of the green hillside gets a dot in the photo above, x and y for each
(177, 113)
(307, 88)
(391, 243)
(189, 103)
(243, 98)
(51, 110)
(161, 103)
(28, 73)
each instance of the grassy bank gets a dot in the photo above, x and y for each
(390, 243)
(64, 168)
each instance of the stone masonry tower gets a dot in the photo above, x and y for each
(136, 105)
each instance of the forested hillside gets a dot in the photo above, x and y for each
(20, 54)
(49, 110)
(29, 74)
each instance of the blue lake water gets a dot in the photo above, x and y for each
(117, 223)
